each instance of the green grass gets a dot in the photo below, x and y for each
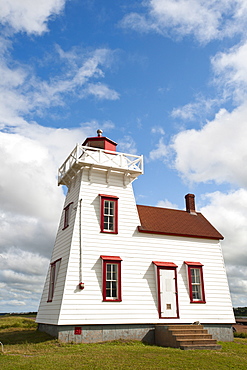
(240, 335)
(16, 322)
(26, 348)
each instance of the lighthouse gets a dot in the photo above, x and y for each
(119, 270)
(84, 276)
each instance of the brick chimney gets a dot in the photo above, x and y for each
(190, 203)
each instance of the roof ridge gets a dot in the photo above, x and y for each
(170, 209)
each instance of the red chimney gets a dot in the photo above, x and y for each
(190, 203)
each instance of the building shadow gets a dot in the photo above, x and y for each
(19, 336)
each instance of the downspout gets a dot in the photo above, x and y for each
(81, 284)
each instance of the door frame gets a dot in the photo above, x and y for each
(166, 266)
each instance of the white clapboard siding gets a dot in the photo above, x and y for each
(71, 306)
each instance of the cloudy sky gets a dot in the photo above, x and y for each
(163, 78)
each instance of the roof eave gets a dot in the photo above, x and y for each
(141, 230)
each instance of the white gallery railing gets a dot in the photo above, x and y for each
(85, 155)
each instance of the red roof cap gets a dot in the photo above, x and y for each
(101, 142)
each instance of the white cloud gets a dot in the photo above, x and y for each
(160, 152)
(102, 91)
(217, 152)
(204, 20)
(75, 80)
(238, 284)
(22, 277)
(157, 130)
(166, 204)
(12, 302)
(228, 213)
(127, 145)
(230, 70)
(29, 16)
(22, 92)
(197, 110)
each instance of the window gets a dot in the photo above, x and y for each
(111, 278)
(53, 278)
(67, 211)
(109, 214)
(195, 279)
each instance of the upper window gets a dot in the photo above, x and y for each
(67, 211)
(196, 284)
(53, 278)
(109, 214)
(111, 278)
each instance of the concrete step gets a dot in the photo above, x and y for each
(185, 326)
(188, 331)
(205, 346)
(197, 341)
(185, 337)
(193, 336)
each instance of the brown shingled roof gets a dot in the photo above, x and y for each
(168, 221)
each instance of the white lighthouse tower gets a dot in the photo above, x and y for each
(89, 238)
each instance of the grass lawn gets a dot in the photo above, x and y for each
(26, 348)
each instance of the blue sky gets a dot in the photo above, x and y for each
(163, 78)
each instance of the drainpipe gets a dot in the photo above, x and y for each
(81, 284)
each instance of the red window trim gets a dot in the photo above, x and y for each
(111, 260)
(66, 216)
(193, 263)
(52, 281)
(115, 200)
(197, 265)
(165, 264)
(108, 196)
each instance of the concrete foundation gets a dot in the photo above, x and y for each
(223, 333)
(100, 333)
(143, 332)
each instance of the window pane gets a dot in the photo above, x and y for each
(111, 208)
(108, 272)
(195, 276)
(106, 206)
(108, 289)
(114, 289)
(196, 292)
